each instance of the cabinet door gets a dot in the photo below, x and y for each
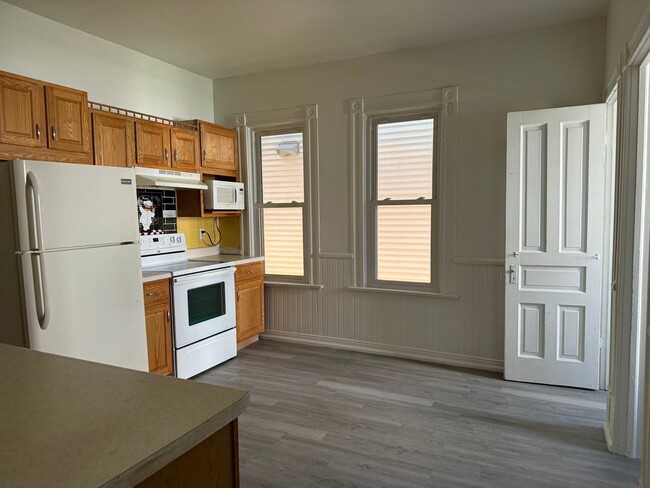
(153, 143)
(68, 119)
(250, 309)
(22, 112)
(114, 140)
(159, 338)
(185, 149)
(219, 149)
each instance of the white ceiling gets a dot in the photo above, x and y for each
(221, 38)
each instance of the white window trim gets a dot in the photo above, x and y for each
(362, 112)
(250, 126)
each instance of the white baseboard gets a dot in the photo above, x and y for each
(449, 359)
(608, 438)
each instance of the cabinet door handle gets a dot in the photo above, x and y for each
(38, 132)
(53, 133)
(175, 154)
(166, 154)
(205, 154)
(152, 294)
(237, 296)
(169, 317)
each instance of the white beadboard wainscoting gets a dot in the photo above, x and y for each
(466, 332)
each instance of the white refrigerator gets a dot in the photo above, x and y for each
(71, 280)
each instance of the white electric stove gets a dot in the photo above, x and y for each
(203, 295)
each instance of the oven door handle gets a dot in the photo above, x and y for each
(205, 275)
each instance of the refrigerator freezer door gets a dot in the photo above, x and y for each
(61, 205)
(87, 304)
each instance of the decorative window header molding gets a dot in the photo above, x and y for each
(272, 118)
(401, 102)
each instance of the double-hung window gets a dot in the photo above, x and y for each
(402, 146)
(402, 208)
(280, 164)
(281, 197)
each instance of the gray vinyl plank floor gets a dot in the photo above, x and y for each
(321, 417)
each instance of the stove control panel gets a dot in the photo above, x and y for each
(162, 244)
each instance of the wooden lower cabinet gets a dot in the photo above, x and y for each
(211, 463)
(157, 313)
(249, 289)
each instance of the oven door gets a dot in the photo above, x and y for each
(204, 305)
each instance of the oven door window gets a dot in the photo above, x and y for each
(206, 303)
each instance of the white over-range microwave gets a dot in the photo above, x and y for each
(224, 195)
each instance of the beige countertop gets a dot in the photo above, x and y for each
(71, 423)
(148, 276)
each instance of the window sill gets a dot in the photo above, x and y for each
(293, 285)
(445, 296)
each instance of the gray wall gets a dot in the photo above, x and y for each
(34, 46)
(622, 19)
(542, 68)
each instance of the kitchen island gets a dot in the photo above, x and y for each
(68, 423)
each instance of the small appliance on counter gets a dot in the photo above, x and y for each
(203, 296)
(69, 255)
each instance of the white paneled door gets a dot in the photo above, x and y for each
(554, 239)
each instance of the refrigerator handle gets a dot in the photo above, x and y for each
(34, 208)
(38, 275)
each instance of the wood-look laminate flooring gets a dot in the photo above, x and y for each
(321, 417)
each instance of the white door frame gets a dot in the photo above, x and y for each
(624, 426)
(608, 236)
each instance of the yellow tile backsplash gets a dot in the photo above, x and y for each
(230, 232)
(190, 226)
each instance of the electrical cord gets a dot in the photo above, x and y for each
(217, 231)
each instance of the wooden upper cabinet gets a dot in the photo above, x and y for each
(153, 144)
(114, 139)
(22, 111)
(185, 149)
(219, 149)
(67, 119)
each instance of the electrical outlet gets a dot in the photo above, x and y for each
(201, 231)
